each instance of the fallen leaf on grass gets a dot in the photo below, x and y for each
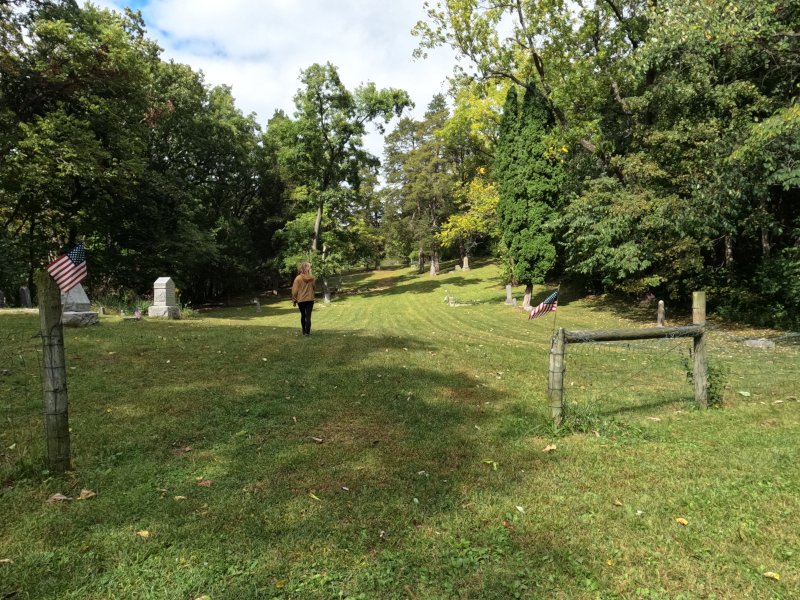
(521, 510)
(86, 494)
(489, 461)
(205, 483)
(772, 575)
(617, 502)
(6, 561)
(203, 598)
(745, 394)
(507, 525)
(653, 419)
(549, 448)
(144, 534)
(317, 440)
(682, 521)
(58, 498)
(313, 497)
(179, 498)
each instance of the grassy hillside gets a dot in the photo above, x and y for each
(404, 450)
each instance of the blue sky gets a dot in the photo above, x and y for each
(259, 47)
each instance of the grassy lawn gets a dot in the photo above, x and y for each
(399, 452)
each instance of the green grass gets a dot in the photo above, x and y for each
(430, 481)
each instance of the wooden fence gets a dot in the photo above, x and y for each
(697, 332)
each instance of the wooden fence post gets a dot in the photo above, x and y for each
(54, 375)
(700, 367)
(555, 387)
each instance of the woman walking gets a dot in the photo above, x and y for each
(303, 296)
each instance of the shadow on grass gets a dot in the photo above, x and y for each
(295, 454)
(645, 406)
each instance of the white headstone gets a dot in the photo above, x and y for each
(165, 304)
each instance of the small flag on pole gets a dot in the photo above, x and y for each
(69, 269)
(548, 304)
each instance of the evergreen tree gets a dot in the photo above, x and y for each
(528, 180)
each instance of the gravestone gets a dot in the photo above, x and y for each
(76, 308)
(660, 314)
(25, 297)
(2, 299)
(165, 304)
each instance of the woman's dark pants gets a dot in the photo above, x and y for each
(305, 315)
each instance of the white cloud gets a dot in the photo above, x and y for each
(259, 47)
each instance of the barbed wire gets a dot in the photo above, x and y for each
(583, 368)
(661, 349)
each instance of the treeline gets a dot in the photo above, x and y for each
(625, 145)
(102, 141)
(633, 145)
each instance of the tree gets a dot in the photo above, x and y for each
(329, 124)
(76, 90)
(528, 179)
(477, 220)
(421, 179)
(103, 141)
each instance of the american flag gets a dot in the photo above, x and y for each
(548, 304)
(69, 269)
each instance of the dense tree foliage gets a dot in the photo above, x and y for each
(421, 178)
(158, 173)
(680, 122)
(529, 180)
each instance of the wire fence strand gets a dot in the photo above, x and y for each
(637, 375)
(21, 429)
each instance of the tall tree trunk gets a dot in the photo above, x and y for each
(434, 262)
(421, 261)
(765, 245)
(326, 291)
(526, 301)
(317, 226)
(728, 250)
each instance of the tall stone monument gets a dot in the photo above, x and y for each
(164, 305)
(76, 308)
(25, 297)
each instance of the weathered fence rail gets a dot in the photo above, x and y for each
(613, 335)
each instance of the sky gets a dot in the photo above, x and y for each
(259, 47)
